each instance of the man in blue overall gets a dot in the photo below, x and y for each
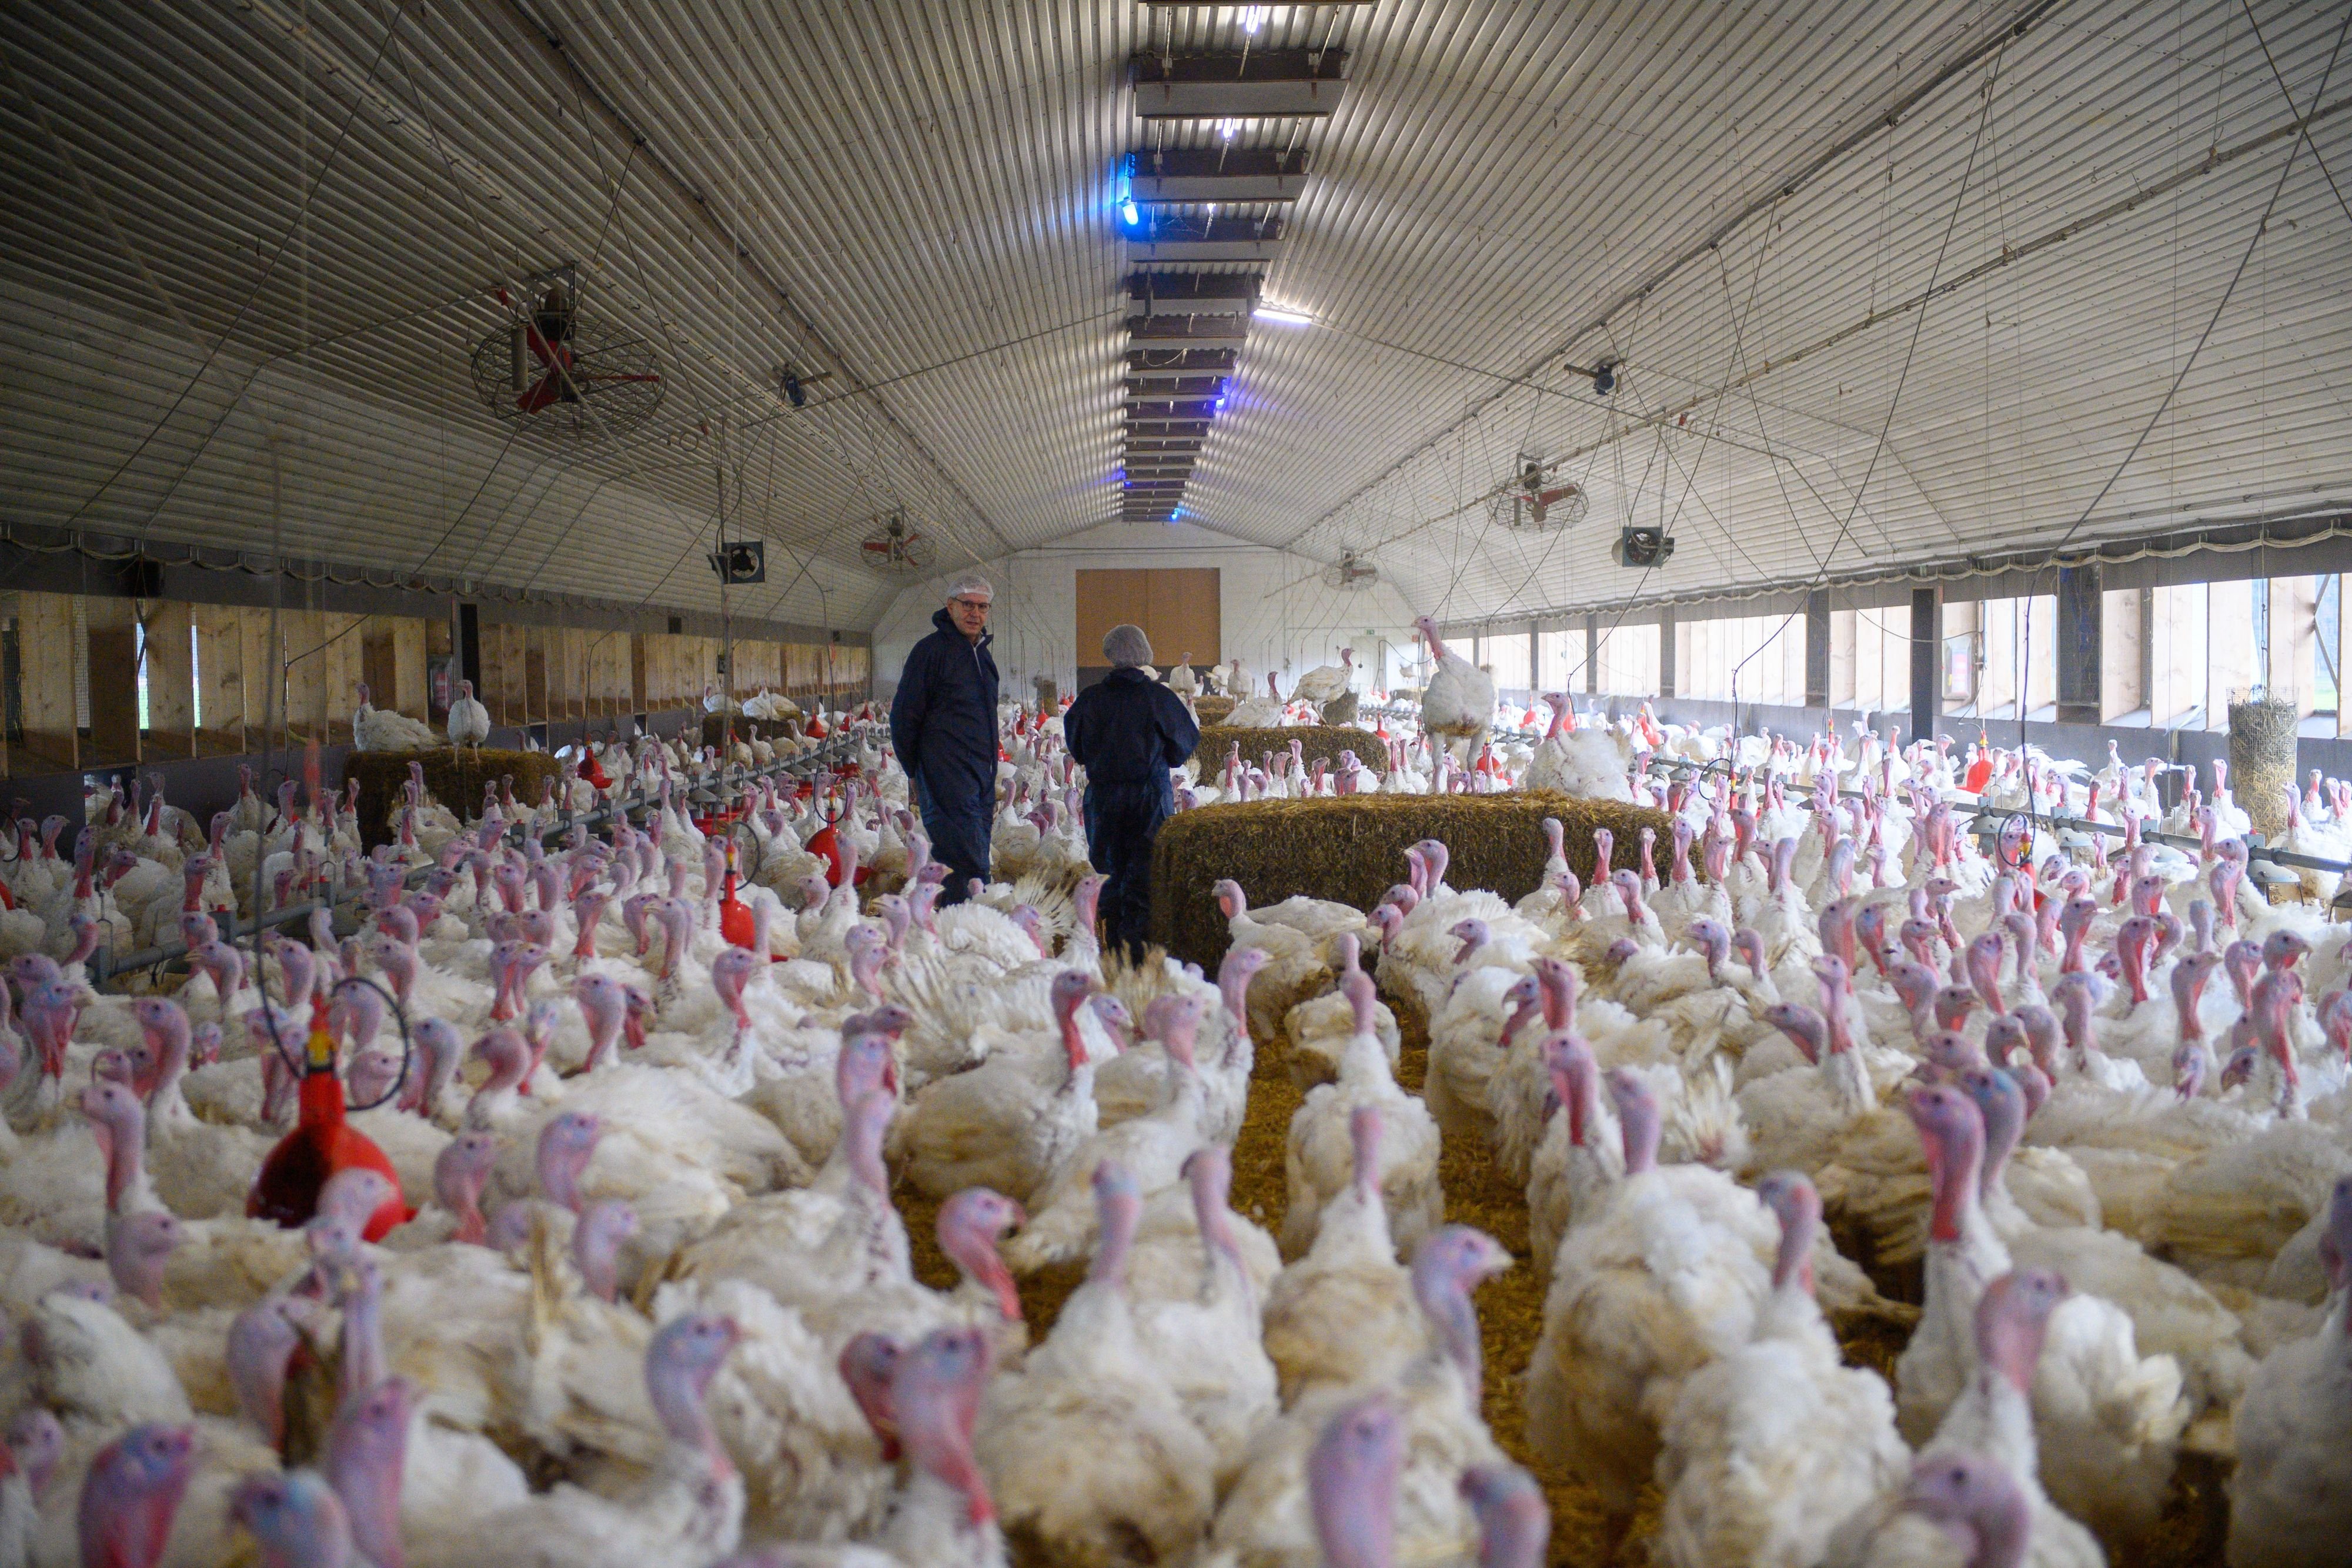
(1127, 733)
(943, 724)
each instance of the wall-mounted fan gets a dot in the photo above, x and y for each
(895, 548)
(562, 373)
(1530, 503)
(1351, 574)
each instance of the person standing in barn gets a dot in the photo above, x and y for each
(943, 724)
(1128, 732)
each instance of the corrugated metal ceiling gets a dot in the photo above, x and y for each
(917, 198)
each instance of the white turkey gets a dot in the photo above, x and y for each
(1458, 704)
(387, 729)
(469, 721)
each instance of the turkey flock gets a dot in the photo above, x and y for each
(2062, 1120)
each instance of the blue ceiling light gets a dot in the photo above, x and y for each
(1129, 213)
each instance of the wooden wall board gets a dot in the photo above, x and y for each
(1181, 614)
(113, 681)
(503, 673)
(264, 684)
(44, 644)
(568, 677)
(640, 673)
(309, 675)
(1178, 609)
(342, 650)
(537, 685)
(220, 677)
(409, 694)
(171, 680)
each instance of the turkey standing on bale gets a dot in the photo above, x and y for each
(1325, 682)
(469, 721)
(1459, 702)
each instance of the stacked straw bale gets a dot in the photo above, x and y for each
(1317, 741)
(454, 776)
(1352, 850)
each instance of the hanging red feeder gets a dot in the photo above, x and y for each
(735, 922)
(1979, 772)
(826, 844)
(322, 1143)
(594, 773)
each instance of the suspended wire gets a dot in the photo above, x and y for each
(1918, 325)
(2253, 243)
(301, 216)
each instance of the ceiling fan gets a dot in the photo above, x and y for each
(1527, 503)
(555, 369)
(895, 547)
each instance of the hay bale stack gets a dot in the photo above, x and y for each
(1212, 710)
(2262, 760)
(454, 776)
(1352, 850)
(1324, 741)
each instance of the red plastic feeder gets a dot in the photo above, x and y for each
(322, 1144)
(735, 922)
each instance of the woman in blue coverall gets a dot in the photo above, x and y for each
(1127, 733)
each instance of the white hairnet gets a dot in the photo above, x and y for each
(1127, 647)
(970, 585)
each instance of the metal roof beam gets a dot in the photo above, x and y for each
(1194, 293)
(1170, 408)
(1219, 239)
(1136, 387)
(1145, 333)
(1161, 365)
(1216, 175)
(1258, 84)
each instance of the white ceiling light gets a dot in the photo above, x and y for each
(1280, 316)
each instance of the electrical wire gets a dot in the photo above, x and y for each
(301, 216)
(1918, 325)
(2303, 135)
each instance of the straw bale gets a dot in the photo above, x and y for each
(1350, 849)
(454, 776)
(1212, 710)
(2262, 759)
(1317, 741)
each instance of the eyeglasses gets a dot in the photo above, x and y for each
(977, 606)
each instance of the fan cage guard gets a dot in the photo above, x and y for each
(1514, 509)
(905, 553)
(606, 408)
(1350, 574)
